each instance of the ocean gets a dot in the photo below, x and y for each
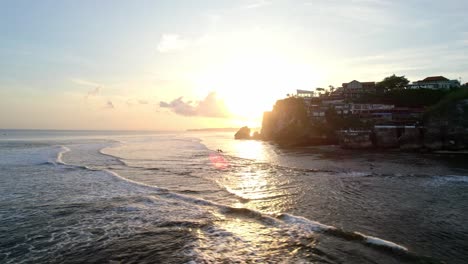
(172, 197)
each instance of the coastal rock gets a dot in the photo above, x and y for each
(256, 136)
(287, 124)
(411, 139)
(386, 137)
(243, 133)
(447, 123)
(433, 138)
(355, 139)
(456, 139)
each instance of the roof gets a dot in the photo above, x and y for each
(345, 84)
(434, 79)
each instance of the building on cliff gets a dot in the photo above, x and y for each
(434, 82)
(355, 88)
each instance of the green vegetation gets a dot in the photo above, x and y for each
(391, 83)
(450, 108)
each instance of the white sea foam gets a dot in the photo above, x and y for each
(284, 220)
(380, 242)
(437, 181)
(64, 150)
(456, 178)
(313, 226)
(305, 223)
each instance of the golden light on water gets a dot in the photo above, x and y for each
(254, 183)
(250, 149)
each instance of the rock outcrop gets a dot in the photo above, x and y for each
(287, 124)
(447, 124)
(243, 133)
(355, 139)
(386, 137)
(411, 139)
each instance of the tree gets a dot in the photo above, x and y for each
(392, 83)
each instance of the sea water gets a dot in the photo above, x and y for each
(170, 197)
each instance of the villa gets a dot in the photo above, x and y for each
(434, 82)
(355, 88)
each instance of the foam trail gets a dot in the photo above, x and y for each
(380, 242)
(305, 223)
(134, 182)
(291, 220)
(59, 160)
(313, 226)
(101, 151)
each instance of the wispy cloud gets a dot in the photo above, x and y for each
(171, 42)
(464, 38)
(93, 92)
(85, 82)
(416, 63)
(256, 4)
(211, 106)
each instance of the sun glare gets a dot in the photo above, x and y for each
(250, 85)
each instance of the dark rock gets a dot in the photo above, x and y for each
(411, 139)
(355, 139)
(256, 136)
(386, 137)
(243, 133)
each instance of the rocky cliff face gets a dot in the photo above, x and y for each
(287, 124)
(356, 139)
(447, 127)
(411, 139)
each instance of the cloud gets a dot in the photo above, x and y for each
(256, 4)
(109, 105)
(93, 92)
(85, 82)
(464, 38)
(171, 42)
(211, 106)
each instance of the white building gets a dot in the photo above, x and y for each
(305, 93)
(435, 82)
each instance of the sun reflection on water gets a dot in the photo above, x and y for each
(257, 184)
(250, 149)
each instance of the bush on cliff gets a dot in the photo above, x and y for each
(453, 108)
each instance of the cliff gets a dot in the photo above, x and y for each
(287, 123)
(445, 126)
(447, 123)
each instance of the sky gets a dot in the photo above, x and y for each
(174, 65)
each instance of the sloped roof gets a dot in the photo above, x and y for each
(434, 79)
(354, 81)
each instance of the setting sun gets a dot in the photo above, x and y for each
(250, 84)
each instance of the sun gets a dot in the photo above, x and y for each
(250, 85)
